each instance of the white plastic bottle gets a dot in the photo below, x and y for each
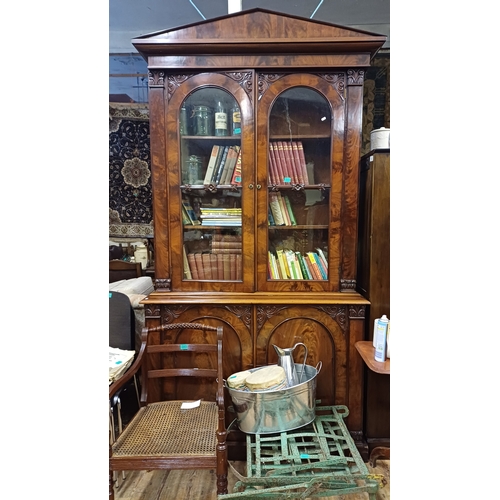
(381, 339)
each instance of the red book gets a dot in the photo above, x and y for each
(298, 166)
(287, 148)
(277, 163)
(303, 164)
(236, 178)
(271, 171)
(284, 164)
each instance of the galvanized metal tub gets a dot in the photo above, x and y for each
(268, 412)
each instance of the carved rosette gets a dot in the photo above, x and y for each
(171, 313)
(173, 83)
(156, 78)
(245, 80)
(355, 76)
(337, 81)
(337, 313)
(265, 81)
(242, 312)
(266, 312)
(357, 311)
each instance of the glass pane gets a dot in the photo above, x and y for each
(210, 129)
(299, 173)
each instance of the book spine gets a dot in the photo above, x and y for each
(228, 166)
(322, 257)
(185, 263)
(289, 210)
(211, 165)
(322, 270)
(287, 151)
(192, 265)
(272, 172)
(199, 266)
(227, 267)
(296, 159)
(221, 245)
(284, 211)
(232, 261)
(239, 266)
(226, 237)
(236, 178)
(275, 209)
(213, 266)
(305, 272)
(207, 266)
(303, 164)
(221, 166)
(285, 167)
(220, 267)
(277, 161)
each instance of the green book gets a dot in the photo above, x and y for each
(290, 211)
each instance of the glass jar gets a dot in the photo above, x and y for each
(220, 120)
(183, 121)
(203, 120)
(236, 121)
(191, 173)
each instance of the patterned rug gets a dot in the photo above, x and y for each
(130, 196)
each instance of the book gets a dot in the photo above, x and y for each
(272, 171)
(275, 209)
(284, 210)
(207, 266)
(314, 266)
(232, 261)
(236, 179)
(213, 266)
(322, 257)
(285, 167)
(227, 172)
(277, 161)
(185, 263)
(186, 220)
(239, 266)
(199, 265)
(271, 266)
(290, 165)
(220, 267)
(220, 168)
(211, 164)
(285, 271)
(270, 218)
(226, 237)
(303, 164)
(298, 165)
(192, 265)
(227, 267)
(322, 269)
(190, 212)
(289, 210)
(303, 266)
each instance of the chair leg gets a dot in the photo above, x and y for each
(111, 482)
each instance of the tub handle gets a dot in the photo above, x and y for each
(319, 366)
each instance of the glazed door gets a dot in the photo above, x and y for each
(210, 182)
(300, 125)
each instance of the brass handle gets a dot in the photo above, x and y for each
(258, 186)
(250, 186)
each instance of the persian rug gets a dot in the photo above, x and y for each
(130, 195)
(376, 98)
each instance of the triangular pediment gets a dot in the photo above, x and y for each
(244, 31)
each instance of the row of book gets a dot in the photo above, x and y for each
(220, 216)
(287, 264)
(280, 210)
(213, 266)
(287, 163)
(224, 166)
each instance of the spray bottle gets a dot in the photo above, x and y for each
(381, 338)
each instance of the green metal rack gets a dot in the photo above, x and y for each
(317, 460)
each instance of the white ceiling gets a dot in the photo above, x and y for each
(131, 18)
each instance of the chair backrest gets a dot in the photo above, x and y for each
(123, 270)
(121, 322)
(182, 361)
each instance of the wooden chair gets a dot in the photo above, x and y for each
(123, 270)
(162, 435)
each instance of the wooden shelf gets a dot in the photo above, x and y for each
(367, 352)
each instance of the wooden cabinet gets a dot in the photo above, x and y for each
(284, 94)
(374, 281)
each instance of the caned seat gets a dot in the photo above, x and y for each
(162, 434)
